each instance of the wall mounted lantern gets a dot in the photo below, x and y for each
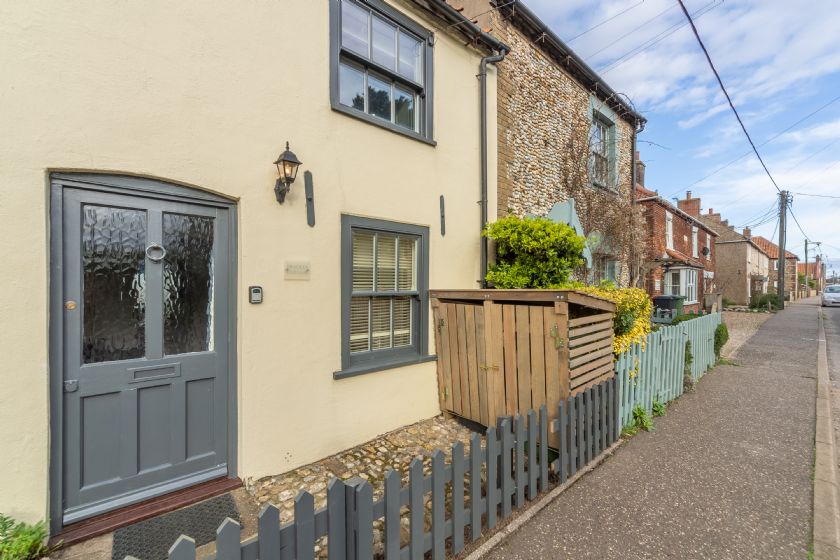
(287, 166)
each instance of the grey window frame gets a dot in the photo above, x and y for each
(610, 149)
(377, 360)
(424, 91)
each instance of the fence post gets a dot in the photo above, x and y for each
(543, 448)
(532, 454)
(492, 477)
(519, 469)
(268, 528)
(475, 486)
(336, 523)
(506, 474)
(392, 515)
(416, 509)
(183, 549)
(364, 524)
(457, 497)
(227, 540)
(438, 506)
(305, 526)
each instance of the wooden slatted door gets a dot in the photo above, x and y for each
(499, 359)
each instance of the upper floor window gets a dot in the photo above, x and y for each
(695, 249)
(708, 246)
(776, 264)
(669, 230)
(381, 67)
(601, 149)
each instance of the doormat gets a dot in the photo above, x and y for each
(151, 539)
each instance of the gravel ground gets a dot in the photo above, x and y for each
(742, 326)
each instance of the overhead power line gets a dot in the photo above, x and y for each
(658, 38)
(792, 215)
(726, 94)
(629, 33)
(609, 19)
(774, 137)
(817, 195)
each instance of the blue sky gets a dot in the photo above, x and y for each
(780, 61)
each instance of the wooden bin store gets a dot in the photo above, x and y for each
(503, 352)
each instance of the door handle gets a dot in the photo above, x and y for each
(71, 385)
(155, 252)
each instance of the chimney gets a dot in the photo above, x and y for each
(689, 205)
(710, 212)
(640, 171)
(747, 232)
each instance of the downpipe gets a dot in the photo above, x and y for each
(482, 77)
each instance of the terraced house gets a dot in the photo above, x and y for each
(743, 267)
(180, 305)
(680, 257)
(565, 139)
(789, 268)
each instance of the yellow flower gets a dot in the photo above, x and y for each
(632, 303)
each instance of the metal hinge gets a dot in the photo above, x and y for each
(555, 334)
(71, 385)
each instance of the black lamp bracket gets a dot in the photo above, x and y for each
(280, 190)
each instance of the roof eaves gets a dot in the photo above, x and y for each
(528, 22)
(462, 24)
(671, 208)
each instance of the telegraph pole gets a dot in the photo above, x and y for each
(807, 286)
(783, 202)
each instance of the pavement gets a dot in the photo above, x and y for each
(727, 473)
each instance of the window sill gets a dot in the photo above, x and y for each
(604, 186)
(338, 107)
(362, 369)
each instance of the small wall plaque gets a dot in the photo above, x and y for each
(297, 270)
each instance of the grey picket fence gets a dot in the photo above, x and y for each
(654, 370)
(511, 467)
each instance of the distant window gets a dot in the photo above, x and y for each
(695, 249)
(776, 264)
(709, 246)
(669, 230)
(682, 282)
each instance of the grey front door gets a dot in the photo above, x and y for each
(145, 347)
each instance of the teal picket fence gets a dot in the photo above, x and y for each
(654, 370)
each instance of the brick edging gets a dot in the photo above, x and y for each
(826, 479)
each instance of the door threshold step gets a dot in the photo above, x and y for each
(112, 520)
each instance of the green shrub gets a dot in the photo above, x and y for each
(689, 357)
(657, 407)
(760, 301)
(641, 418)
(721, 338)
(22, 541)
(533, 252)
(683, 318)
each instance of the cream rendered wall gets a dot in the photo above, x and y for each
(206, 93)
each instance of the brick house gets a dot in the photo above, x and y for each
(790, 268)
(742, 267)
(813, 271)
(563, 135)
(680, 254)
